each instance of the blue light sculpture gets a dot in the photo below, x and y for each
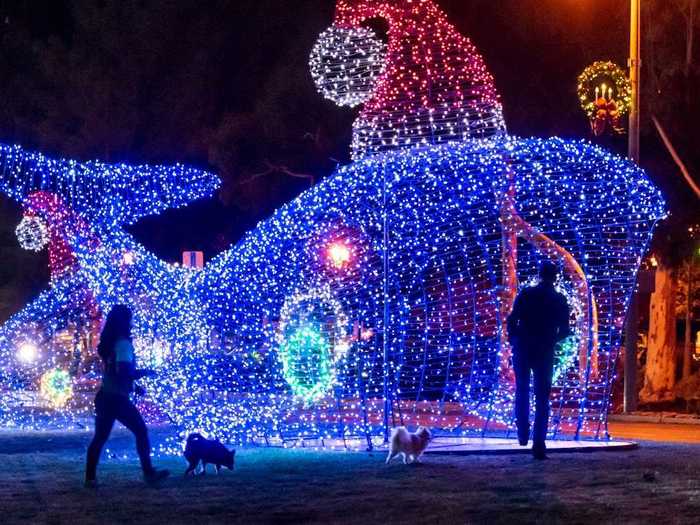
(376, 298)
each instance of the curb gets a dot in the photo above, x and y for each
(660, 419)
(610, 446)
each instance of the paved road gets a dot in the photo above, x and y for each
(655, 432)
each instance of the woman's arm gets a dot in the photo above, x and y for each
(125, 367)
(513, 320)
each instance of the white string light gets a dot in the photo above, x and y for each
(346, 64)
(32, 233)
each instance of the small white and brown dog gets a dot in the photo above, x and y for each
(411, 445)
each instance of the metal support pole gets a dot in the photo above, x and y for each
(630, 400)
(385, 335)
(633, 314)
(635, 65)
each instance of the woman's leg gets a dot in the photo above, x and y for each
(104, 421)
(128, 415)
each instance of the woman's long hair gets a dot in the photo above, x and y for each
(117, 326)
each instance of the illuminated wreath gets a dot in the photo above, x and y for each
(56, 387)
(311, 340)
(611, 75)
(32, 233)
(566, 351)
(346, 63)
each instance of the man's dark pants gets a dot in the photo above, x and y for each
(538, 362)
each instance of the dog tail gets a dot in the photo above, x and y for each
(398, 435)
(397, 430)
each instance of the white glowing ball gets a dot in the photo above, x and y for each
(32, 233)
(27, 353)
(346, 64)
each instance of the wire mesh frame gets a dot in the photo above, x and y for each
(583, 383)
(429, 285)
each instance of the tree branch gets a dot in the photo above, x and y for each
(676, 157)
(277, 168)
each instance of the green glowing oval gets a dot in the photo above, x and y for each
(306, 362)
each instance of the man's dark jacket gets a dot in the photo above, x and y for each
(539, 320)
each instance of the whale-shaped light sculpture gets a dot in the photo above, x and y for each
(379, 296)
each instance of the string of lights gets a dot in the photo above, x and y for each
(117, 194)
(434, 88)
(376, 298)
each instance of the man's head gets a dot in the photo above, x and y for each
(548, 272)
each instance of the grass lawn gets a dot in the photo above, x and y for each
(41, 482)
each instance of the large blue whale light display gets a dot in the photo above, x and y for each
(377, 297)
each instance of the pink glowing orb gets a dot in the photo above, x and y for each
(339, 255)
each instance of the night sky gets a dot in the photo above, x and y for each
(165, 80)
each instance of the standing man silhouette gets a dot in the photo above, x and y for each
(540, 319)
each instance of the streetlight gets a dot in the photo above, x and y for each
(635, 66)
(630, 398)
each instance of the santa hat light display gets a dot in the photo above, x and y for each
(434, 86)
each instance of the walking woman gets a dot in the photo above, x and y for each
(112, 402)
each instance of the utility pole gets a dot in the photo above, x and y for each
(630, 400)
(635, 65)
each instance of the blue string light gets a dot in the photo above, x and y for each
(376, 298)
(435, 310)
